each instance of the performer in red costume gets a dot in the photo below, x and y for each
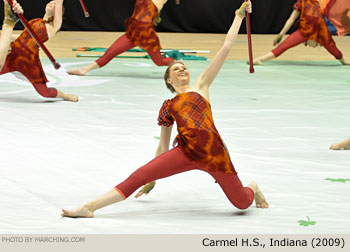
(139, 32)
(312, 30)
(22, 55)
(199, 145)
(338, 12)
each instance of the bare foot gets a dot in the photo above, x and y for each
(83, 70)
(344, 62)
(79, 212)
(259, 197)
(342, 145)
(78, 71)
(71, 97)
(256, 62)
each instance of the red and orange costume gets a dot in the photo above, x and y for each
(140, 28)
(198, 137)
(24, 58)
(139, 32)
(312, 26)
(199, 146)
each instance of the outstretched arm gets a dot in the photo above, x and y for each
(10, 20)
(163, 146)
(57, 22)
(14, 37)
(164, 142)
(207, 77)
(287, 26)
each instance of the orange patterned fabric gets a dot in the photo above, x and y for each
(24, 55)
(197, 135)
(312, 24)
(140, 29)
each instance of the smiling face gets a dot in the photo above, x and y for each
(177, 76)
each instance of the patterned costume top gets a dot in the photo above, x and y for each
(24, 55)
(312, 24)
(197, 135)
(140, 28)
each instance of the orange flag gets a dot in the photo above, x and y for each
(338, 12)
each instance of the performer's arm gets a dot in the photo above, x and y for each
(164, 142)
(163, 146)
(10, 20)
(57, 22)
(207, 77)
(287, 26)
(14, 37)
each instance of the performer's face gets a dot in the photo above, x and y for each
(179, 74)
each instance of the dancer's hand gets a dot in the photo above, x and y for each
(10, 18)
(344, 62)
(277, 39)
(17, 8)
(246, 6)
(146, 189)
(311, 43)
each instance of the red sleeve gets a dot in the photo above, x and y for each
(165, 118)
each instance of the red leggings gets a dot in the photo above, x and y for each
(41, 88)
(123, 44)
(297, 38)
(175, 161)
(44, 91)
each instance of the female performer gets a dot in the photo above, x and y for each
(24, 52)
(139, 32)
(199, 145)
(312, 30)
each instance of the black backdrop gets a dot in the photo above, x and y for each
(197, 16)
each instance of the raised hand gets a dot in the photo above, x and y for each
(246, 6)
(10, 17)
(311, 43)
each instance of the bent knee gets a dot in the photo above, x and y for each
(243, 204)
(243, 207)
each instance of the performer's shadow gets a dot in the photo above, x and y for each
(129, 75)
(188, 212)
(303, 63)
(24, 100)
